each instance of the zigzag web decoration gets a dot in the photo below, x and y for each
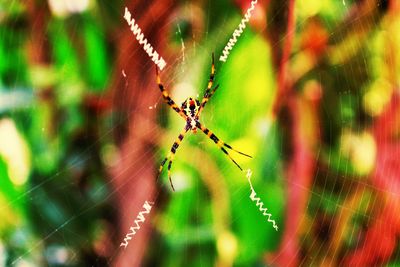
(157, 59)
(258, 201)
(139, 219)
(236, 34)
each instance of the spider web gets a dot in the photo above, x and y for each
(211, 218)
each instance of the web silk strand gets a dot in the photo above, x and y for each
(236, 34)
(155, 57)
(139, 219)
(259, 203)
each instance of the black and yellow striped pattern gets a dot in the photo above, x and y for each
(209, 92)
(206, 98)
(220, 143)
(171, 156)
(167, 98)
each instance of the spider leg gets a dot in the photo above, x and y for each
(220, 143)
(171, 156)
(209, 92)
(205, 99)
(167, 98)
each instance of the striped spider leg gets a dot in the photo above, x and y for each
(176, 144)
(221, 144)
(190, 110)
(209, 93)
(167, 98)
(172, 154)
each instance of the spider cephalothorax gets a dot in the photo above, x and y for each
(190, 111)
(190, 108)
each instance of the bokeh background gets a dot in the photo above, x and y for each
(311, 91)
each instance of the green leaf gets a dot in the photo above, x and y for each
(96, 60)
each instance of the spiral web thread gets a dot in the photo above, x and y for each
(236, 34)
(258, 201)
(139, 219)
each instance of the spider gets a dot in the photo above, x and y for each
(190, 110)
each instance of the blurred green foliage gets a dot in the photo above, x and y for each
(66, 197)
